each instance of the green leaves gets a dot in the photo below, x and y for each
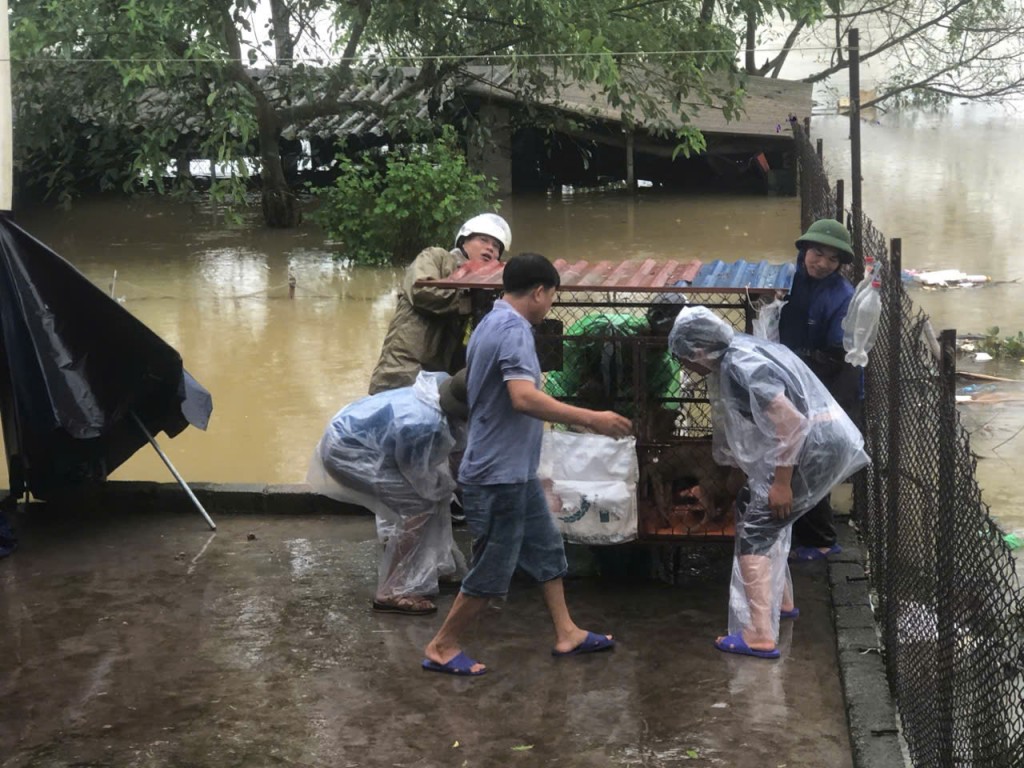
(386, 207)
(1010, 347)
(162, 78)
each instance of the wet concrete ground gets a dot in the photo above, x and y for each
(147, 640)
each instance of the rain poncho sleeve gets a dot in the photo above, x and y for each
(770, 428)
(427, 331)
(432, 264)
(772, 411)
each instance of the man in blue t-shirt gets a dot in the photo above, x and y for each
(506, 511)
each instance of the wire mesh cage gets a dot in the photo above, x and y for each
(605, 348)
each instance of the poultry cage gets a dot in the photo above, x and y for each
(598, 350)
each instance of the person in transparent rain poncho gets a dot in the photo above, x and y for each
(774, 421)
(389, 453)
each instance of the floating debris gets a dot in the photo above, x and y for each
(944, 278)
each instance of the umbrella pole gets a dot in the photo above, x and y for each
(6, 115)
(179, 478)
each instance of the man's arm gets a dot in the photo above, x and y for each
(430, 264)
(526, 398)
(788, 423)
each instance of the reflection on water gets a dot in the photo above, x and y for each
(950, 187)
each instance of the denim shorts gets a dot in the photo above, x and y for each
(512, 527)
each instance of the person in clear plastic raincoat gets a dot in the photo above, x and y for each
(775, 421)
(389, 453)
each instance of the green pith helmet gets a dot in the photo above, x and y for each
(829, 232)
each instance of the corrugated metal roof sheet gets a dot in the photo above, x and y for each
(768, 102)
(767, 106)
(644, 276)
(743, 274)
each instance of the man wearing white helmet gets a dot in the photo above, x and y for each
(428, 328)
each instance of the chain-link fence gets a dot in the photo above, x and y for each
(948, 599)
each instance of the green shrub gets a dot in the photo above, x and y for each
(1011, 347)
(386, 207)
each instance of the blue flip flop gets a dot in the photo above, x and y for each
(593, 643)
(791, 614)
(807, 554)
(736, 644)
(460, 665)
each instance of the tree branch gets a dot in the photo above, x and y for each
(894, 41)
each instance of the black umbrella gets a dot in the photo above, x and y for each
(83, 383)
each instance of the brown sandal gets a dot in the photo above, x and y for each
(407, 605)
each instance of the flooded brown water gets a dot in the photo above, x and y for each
(278, 369)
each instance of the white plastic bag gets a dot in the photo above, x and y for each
(590, 482)
(766, 322)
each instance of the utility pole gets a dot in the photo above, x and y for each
(855, 181)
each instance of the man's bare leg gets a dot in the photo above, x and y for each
(788, 602)
(445, 645)
(567, 634)
(756, 571)
(400, 547)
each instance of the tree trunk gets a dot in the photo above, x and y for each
(280, 209)
(284, 45)
(279, 205)
(751, 42)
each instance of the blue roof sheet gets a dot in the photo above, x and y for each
(745, 274)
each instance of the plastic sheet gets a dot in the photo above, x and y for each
(74, 367)
(766, 322)
(389, 453)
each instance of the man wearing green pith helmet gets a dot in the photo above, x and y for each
(812, 326)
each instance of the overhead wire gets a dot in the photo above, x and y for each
(426, 57)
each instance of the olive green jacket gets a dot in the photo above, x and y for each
(427, 330)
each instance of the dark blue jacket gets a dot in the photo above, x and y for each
(812, 319)
(811, 325)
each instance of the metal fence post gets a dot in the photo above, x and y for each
(888, 501)
(945, 541)
(855, 189)
(840, 201)
(805, 174)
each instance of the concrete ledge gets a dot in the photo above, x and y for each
(870, 710)
(216, 498)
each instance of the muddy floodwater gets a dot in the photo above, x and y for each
(951, 186)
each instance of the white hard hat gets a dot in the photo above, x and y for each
(486, 224)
